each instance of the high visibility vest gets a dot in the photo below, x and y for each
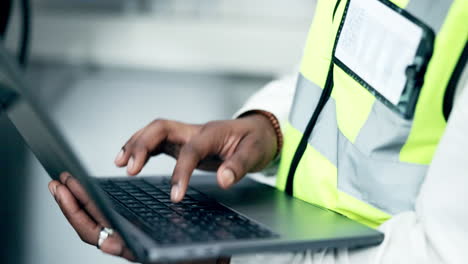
(360, 158)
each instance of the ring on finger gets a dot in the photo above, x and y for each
(103, 235)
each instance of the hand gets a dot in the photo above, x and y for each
(87, 220)
(232, 148)
(84, 216)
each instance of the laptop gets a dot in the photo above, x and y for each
(209, 222)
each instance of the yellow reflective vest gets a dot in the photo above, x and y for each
(356, 156)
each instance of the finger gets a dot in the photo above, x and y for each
(124, 156)
(86, 228)
(121, 159)
(142, 142)
(53, 187)
(140, 156)
(142, 145)
(189, 157)
(83, 198)
(245, 159)
(114, 245)
(188, 160)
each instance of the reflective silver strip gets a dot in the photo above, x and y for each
(431, 12)
(304, 104)
(370, 169)
(305, 101)
(324, 138)
(386, 184)
(384, 133)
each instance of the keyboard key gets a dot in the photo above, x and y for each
(157, 207)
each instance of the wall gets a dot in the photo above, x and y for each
(106, 68)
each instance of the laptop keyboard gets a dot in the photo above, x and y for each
(196, 219)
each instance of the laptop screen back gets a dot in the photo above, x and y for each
(44, 138)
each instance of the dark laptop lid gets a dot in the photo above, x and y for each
(45, 140)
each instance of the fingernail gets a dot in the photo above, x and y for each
(130, 164)
(119, 156)
(51, 189)
(175, 192)
(228, 177)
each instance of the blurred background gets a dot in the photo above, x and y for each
(106, 68)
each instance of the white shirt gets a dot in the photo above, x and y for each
(435, 232)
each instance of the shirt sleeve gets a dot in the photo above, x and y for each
(276, 98)
(436, 231)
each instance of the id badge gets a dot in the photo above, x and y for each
(386, 50)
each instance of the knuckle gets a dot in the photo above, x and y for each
(140, 147)
(159, 126)
(134, 137)
(128, 147)
(159, 122)
(192, 149)
(210, 126)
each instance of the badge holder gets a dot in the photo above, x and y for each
(386, 50)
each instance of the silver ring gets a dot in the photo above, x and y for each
(103, 235)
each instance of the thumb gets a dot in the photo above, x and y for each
(247, 158)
